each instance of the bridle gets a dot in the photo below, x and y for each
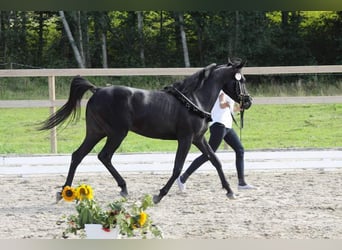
(241, 92)
(245, 99)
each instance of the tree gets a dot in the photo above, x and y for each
(168, 39)
(99, 46)
(80, 36)
(183, 39)
(141, 37)
(199, 18)
(324, 38)
(76, 51)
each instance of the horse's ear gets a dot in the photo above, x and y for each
(205, 73)
(230, 63)
(241, 64)
(237, 64)
(208, 70)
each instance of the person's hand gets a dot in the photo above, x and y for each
(238, 108)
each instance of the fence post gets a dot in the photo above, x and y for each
(52, 98)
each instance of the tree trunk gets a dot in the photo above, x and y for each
(40, 37)
(237, 30)
(71, 40)
(184, 43)
(141, 37)
(284, 18)
(87, 59)
(198, 19)
(104, 51)
(0, 25)
(161, 24)
(80, 36)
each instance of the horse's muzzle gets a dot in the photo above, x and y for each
(246, 102)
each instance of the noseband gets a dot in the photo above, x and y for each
(241, 92)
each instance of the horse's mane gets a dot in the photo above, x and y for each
(193, 82)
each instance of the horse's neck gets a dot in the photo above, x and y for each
(206, 97)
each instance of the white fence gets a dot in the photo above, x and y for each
(51, 74)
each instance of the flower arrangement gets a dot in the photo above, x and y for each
(130, 218)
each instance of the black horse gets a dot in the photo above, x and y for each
(179, 112)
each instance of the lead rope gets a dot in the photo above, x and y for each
(241, 122)
(242, 91)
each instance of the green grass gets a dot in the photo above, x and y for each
(293, 126)
(266, 127)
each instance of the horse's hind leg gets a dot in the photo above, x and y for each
(87, 145)
(105, 156)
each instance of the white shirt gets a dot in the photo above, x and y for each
(223, 115)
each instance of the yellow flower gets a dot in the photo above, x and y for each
(84, 192)
(142, 219)
(69, 193)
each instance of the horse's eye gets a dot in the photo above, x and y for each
(238, 76)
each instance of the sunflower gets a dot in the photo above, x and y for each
(84, 192)
(142, 219)
(69, 193)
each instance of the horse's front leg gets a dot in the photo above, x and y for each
(205, 148)
(182, 151)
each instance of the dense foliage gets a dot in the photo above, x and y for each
(168, 39)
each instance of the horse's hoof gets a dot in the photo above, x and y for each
(58, 197)
(124, 193)
(231, 196)
(156, 199)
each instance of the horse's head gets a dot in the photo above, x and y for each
(235, 83)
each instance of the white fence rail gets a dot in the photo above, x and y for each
(166, 71)
(51, 74)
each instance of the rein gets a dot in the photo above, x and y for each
(188, 103)
(241, 122)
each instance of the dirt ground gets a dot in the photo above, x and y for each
(288, 204)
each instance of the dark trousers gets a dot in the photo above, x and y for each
(219, 132)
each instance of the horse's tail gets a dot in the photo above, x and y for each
(72, 107)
